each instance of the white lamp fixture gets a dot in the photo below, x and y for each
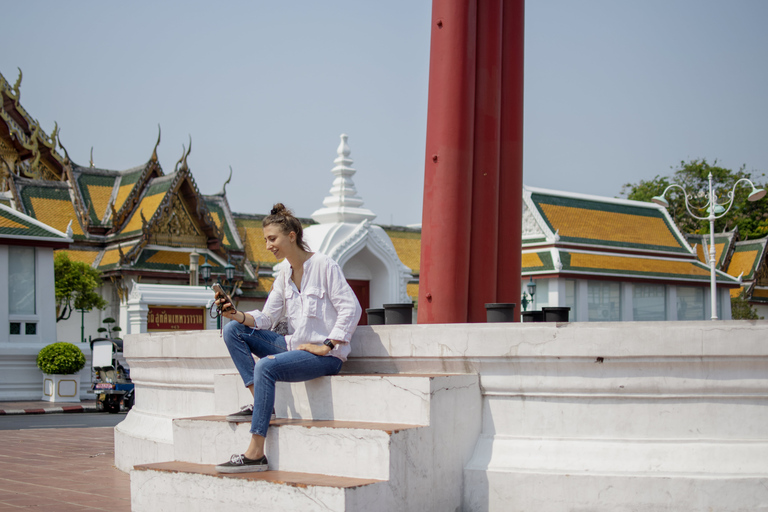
(715, 211)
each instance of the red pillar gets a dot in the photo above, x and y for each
(444, 277)
(511, 164)
(484, 241)
(471, 223)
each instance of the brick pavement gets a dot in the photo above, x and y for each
(61, 470)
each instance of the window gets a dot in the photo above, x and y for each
(604, 301)
(21, 280)
(15, 328)
(690, 303)
(649, 302)
(30, 328)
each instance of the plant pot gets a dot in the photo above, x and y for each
(401, 313)
(500, 312)
(556, 314)
(61, 388)
(533, 316)
(375, 316)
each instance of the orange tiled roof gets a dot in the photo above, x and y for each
(742, 263)
(408, 248)
(148, 206)
(87, 257)
(609, 226)
(56, 213)
(100, 196)
(122, 194)
(413, 291)
(644, 265)
(111, 257)
(219, 221)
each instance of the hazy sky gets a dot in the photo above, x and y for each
(615, 91)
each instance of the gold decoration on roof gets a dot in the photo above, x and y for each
(177, 228)
(153, 158)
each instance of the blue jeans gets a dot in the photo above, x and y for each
(276, 363)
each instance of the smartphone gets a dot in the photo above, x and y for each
(218, 290)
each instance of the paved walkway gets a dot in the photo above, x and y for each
(61, 470)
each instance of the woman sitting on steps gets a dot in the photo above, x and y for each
(322, 313)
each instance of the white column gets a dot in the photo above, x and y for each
(4, 333)
(557, 292)
(671, 293)
(582, 300)
(627, 302)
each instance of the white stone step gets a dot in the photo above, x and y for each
(186, 487)
(339, 448)
(384, 398)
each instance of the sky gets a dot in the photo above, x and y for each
(616, 91)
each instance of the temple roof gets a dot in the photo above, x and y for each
(577, 219)
(748, 257)
(15, 225)
(723, 247)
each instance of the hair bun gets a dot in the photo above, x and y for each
(279, 209)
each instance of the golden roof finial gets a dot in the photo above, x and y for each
(153, 158)
(17, 88)
(91, 161)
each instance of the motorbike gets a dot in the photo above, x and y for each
(112, 383)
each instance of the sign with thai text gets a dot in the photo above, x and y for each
(175, 318)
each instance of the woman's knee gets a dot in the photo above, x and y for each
(231, 332)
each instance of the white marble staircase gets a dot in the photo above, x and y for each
(343, 443)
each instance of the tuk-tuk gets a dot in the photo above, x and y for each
(111, 378)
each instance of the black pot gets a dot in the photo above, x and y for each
(375, 316)
(398, 313)
(500, 312)
(533, 316)
(556, 314)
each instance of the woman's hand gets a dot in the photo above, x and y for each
(227, 309)
(318, 350)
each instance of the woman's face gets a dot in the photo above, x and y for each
(278, 243)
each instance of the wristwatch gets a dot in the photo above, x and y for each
(328, 343)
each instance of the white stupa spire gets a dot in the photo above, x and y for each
(343, 205)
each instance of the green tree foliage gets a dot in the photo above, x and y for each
(750, 217)
(741, 309)
(76, 285)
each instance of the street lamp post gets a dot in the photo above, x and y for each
(524, 300)
(715, 211)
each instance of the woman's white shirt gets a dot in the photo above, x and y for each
(325, 308)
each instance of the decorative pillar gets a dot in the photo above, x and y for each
(446, 222)
(511, 162)
(484, 241)
(472, 217)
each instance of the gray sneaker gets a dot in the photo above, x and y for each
(245, 414)
(242, 464)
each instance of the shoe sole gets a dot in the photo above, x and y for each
(239, 419)
(241, 469)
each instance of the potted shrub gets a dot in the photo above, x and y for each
(60, 364)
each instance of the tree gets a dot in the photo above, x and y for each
(750, 217)
(76, 284)
(741, 309)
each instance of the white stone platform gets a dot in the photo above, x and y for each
(624, 416)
